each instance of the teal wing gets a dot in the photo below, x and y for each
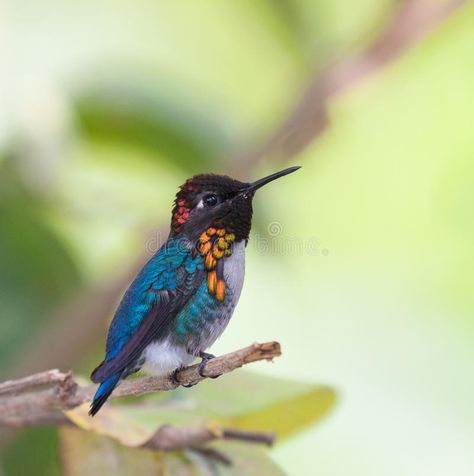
(159, 291)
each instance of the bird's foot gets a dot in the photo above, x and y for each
(174, 377)
(205, 359)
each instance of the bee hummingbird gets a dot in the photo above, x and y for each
(183, 298)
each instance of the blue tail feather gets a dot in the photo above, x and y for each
(103, 393)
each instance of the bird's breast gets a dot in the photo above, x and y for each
(200, 323)
(234, 271)
(204, 318)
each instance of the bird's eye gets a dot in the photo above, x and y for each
(210, 200)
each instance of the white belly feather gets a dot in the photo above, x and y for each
(163, 357)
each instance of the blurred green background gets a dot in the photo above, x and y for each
(361, 264)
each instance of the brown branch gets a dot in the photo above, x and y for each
(255, 437)
(411, 22)
(38, 399)
(172, 438)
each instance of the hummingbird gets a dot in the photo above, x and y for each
(183, 298)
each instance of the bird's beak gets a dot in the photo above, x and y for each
(260, 183)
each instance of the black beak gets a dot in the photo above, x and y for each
(270, 178)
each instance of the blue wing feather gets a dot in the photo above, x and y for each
(103, 393)
(153, 299)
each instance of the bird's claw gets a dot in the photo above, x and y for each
(202, 366)
(205, 358)
(174, 377)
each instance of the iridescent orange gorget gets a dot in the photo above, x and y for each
(213, 245)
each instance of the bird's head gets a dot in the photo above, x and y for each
(217, 201)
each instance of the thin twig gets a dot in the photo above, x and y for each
(255, 437)
(172, 438)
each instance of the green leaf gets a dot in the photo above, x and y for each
(251, 401)
(148, 118)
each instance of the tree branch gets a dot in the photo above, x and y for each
(39, 399)
(172, 438)
(410, 23)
